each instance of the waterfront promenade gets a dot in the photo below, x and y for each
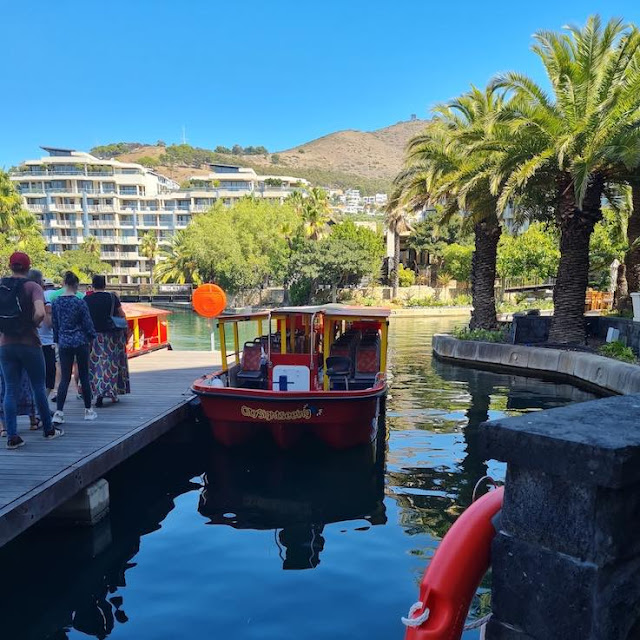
(43, 475)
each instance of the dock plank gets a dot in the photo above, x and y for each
(41, 476)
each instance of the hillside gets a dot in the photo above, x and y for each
(365, 159)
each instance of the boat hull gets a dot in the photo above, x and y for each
(339, 419)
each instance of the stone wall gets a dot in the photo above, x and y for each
(583, 369)
(598, 326)
(566, 559)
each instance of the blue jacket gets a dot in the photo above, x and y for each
(72, 325)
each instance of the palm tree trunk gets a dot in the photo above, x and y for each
(576, 226)
(632, 257)
(395, 276)
(483, 274)
(621, 294)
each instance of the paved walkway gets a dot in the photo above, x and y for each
(39, 477)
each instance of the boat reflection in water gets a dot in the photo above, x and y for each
(295, 495)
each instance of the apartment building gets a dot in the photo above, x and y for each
(74, 195)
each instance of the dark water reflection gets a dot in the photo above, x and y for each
(203, 543)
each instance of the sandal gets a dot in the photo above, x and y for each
(35, 426)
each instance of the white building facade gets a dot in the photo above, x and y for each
(75, 195)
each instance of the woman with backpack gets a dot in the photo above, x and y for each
(108, 362)
(73, 332)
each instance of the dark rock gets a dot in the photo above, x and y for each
(545, 594)
(497, 630)
(529, 329)
(588, 522)
(594, 442)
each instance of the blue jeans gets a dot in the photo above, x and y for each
(13, 359)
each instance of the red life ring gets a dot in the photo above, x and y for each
(455, 572)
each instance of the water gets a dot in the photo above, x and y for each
(205, 543)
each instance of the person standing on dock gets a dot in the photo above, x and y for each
(21, 312)
(45, 333)
(108, 362)
(73, 332)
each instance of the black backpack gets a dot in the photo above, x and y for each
(15, 316)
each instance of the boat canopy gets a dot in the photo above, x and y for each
(341, 310)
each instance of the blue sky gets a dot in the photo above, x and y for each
(251, 72)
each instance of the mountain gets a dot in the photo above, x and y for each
(365, 159)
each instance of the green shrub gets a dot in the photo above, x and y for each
(618, 351)
(427, 301)
(480, 335)
(462, 300)
(406, 277)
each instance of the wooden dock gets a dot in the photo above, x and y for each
(41, 476)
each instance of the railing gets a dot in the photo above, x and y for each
(102, 224)
(100, 208)
(36, 207)
(65, 207)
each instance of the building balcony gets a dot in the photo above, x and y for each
(103, 224)
(100, 208)
(65, 207)
(64, 240)
(128, 240)
(63, 224)
(25, 191)
(37, 208)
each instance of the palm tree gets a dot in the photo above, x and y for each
(397, 224)
(445, 166)
(149, 250)
(316, 213)
(91, 244)
(10, 201)
(177, 264)
(22, 228)
(561, 150)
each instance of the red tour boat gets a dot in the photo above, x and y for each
(300, 371)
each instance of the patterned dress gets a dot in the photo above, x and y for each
(109, 366)
(26, 404)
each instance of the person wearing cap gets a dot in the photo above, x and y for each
(22, 352)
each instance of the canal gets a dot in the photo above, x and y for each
(206, 543)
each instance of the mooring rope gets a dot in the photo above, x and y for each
(416, 622)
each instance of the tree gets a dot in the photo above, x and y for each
(345, 256)
(10, 201)
(562, 148)
(608, 243)
(316, 213)
(91, 245)
(457, 260)
(532, 255)
(85, 264)
(149, 250)
(239, 247)
(434, 234)
(177, 263)
(397, 224)
(445, 166)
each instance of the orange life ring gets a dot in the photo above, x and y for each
(209, 300)
(455, 572)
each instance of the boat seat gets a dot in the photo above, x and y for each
(367, 364)
(338, 372)
(253, 370)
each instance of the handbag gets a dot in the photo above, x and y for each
(117, 322)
